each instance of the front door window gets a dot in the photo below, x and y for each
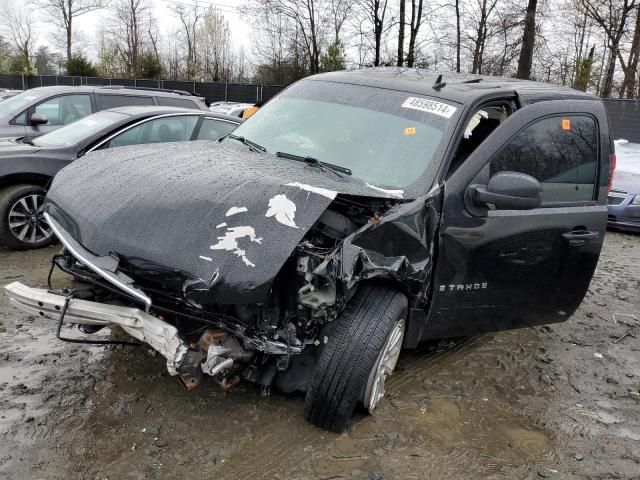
(65, 108)
(560, 152)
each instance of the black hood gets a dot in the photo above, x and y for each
(212, 210)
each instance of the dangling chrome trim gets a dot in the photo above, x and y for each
(88, 259)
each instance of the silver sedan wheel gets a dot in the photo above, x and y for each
(384, 366)
(26, 222)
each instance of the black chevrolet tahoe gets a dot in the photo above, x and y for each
(354, 215)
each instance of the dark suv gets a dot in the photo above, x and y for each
(355, 214)
(41, 110)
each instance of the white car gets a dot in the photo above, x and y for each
(7, 93)
(234, 109)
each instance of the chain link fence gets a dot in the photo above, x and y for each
(211, 91)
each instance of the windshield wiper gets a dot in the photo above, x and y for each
(252, 145)
(314, 162)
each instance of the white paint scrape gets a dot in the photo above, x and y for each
(283, 209)
(394, 193)
(230, 239)
(208, 259)
(310, 188)
(234, 210)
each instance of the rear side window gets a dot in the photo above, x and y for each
(176, 102)
(560, 151)
(158, 130)
(214, 129)
(113, 101)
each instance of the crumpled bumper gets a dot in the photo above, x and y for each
(160, 335)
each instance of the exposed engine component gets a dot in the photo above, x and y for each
(317, 288)
(319, 291)
(335, 225)
(217, 354)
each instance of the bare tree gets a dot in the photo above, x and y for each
(340, 11)
(64, 12)
(507, 47)
(154, 37)
(277, 48)
(458, 35)
(173, 58)
(130, 24)
(631, 71)
(108, 58)
(528, 41)
(401, 22)
(215, 46)
(19, 24)
(308, 19)
(189, 18)
(612, 16)
(483, 11)
(375, 11)
(414, 27)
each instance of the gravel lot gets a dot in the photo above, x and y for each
(553, 402)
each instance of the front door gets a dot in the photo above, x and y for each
(500, 269)
(60, 110)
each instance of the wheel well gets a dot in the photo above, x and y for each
(25, 178)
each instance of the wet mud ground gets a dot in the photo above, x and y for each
(561, 401)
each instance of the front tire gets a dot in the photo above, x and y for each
(361, 351)
(22, 226)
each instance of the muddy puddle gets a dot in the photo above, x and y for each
(533, 403)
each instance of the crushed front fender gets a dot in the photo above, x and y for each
(398, 246)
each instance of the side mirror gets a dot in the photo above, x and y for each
(509, 191)
(38, 119)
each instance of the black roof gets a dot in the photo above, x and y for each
(458, 87)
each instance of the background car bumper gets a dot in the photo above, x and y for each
(623, 214)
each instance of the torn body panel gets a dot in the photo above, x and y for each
(397, 246)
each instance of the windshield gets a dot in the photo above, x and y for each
(15, 103)
(80, 130)
(385, 137)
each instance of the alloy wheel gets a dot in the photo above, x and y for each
(385, 364)
(26, 221)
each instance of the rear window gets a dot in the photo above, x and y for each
(176, 102)
(113, 101)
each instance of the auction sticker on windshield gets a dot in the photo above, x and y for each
(431, 106)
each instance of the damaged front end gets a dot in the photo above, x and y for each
(241, 284)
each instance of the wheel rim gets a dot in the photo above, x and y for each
(26, 221)
(385, 364)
